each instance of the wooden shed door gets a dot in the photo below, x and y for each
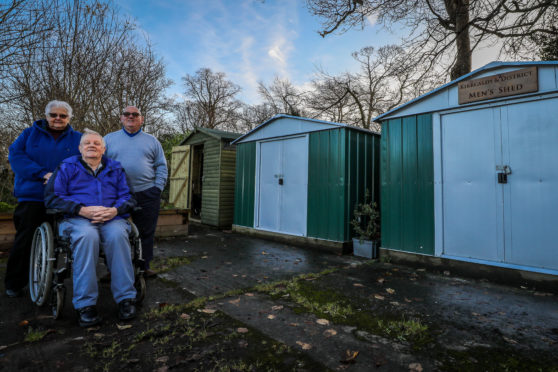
(179, 177)
(283, 186)
(512, 222)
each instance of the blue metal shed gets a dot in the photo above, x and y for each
(469, 169)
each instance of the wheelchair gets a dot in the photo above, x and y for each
(50, 264)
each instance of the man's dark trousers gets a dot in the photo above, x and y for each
(28, 215)
(146, 220)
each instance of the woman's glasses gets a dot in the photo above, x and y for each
(134, 114)
(61, 116)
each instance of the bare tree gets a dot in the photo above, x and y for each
(90, 59)
(22, 25)
(385, 80)
(210, 101)
(253, 115)
(446, 32)
(283, 97)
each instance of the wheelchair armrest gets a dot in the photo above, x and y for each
(54, 212)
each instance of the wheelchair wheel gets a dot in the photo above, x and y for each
(140, 288)
(41, 264)
(58, 297)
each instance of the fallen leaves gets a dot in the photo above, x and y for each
(185, 316)
(322, 321)
(304, 345)
(242, 330)
(330, 332)
(277, 307)
(207, 311)
(271, 316)
(162, 359)
(235, 302)
(24, 323)
(379, 297)
(349, 357)
(390, 290)
(123, 326)
(415, 367)
(381, 280)
(248, 294)
(358, 285)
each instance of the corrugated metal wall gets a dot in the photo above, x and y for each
(342, 164)
(244, 190)
(407, 184)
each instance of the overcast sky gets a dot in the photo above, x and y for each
(249, 40)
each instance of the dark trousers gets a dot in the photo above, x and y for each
(27, 217)
(146, 220)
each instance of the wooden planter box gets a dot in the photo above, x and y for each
(7, 231)
(171, 222)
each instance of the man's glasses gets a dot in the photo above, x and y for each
(61, 116)
(134, 114)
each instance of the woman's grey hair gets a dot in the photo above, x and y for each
(90, 132)
(62, 104)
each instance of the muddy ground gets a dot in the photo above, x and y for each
(227, 302)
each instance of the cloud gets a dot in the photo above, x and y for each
(276, 52)
(372, 19)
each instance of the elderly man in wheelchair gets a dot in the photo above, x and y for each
(92, 193)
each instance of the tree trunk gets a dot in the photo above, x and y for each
(458, 11)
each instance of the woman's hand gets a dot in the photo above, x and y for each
(46, 177)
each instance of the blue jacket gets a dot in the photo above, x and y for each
(35, 153)
(74, 185)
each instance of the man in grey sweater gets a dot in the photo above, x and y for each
(143, 159)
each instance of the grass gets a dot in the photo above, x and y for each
(34, 335)
(169, 263)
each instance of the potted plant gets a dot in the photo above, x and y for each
(366, 225)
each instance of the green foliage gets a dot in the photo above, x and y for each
(366, 221)
(6, 207)
(34, 335)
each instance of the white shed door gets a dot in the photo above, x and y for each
(472, 197)
(513, 222)
(532, 152)
(283, 186)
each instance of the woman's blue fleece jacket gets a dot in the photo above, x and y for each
(74, 185)
(35, 153)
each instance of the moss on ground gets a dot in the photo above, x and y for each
(191, 337)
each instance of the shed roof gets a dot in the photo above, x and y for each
(312, 126)
(397, 112)
(215, 133)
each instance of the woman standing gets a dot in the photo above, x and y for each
(33, 157)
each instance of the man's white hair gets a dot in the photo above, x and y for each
(89, 132)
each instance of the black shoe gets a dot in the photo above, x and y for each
(12, 293)
(88, 317)
(126, 310)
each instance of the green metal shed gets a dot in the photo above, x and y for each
(211, 173)
(299, 179)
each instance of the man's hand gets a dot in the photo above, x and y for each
(46, 177)
(98, 214)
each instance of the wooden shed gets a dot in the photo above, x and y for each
(469, 170)
(299, 180)
(202, 176)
